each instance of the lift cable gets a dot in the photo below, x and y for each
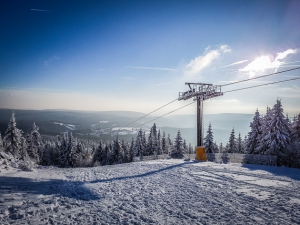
(260, 76)
(142, 116)
(150, 112)
(262, 85)
(224, 92)
(166, 114)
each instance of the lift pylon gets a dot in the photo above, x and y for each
(200, 92)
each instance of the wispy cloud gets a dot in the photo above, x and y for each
(263, 63)
(151, 68)
(232, 101)
(41, 10)
(196, 65)
(50, 60)
(233, 64)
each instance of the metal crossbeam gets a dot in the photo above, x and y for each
(200, 92)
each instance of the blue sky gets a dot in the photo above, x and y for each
(137, 55)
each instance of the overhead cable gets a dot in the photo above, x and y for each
(262, 85)
(284, 71)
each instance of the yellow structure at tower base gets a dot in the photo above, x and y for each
(200, 153)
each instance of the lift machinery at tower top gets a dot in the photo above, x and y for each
(200, 92)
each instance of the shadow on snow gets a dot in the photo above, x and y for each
(140, 175)
(277, 171)
(69, 189)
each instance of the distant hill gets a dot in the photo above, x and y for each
(87, 123)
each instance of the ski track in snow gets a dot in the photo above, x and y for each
(152, 192)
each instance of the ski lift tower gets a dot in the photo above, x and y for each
(200, 92)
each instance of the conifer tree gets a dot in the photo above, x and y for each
(221, 148)
(100, 155)
(34, 143)
(164, 144)
(131, 151)
(23, 152)
(185, 148)
(125, 152)
(177, 151)
(63, 154)
(240, 148)
(209, 141)
(159, 143)
(71, 152)
(117, 151)
(295, 129)
(1, 144)
(278, 135)
(138, 146)
(232, 144)
(13, 137)
(253, 140)
(263, 145)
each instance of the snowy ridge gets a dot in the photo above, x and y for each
(153, 192)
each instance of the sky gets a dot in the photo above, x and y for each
(137, 55)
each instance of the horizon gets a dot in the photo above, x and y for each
(137, 56)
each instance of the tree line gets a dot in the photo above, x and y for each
(272, 134)
(68, 151)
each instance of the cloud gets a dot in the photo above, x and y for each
(263, 63)
(232, 101)
(50, 60)
(41, 10)
(233, 64)
(152, 68)
(196, 65)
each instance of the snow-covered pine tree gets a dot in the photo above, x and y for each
(13, 138)
(34, 144)
(78, 156)
(71, 151)
(138, 146)
(1, 144)
(125, 152)
(164, 144)
(108, 150)
(295, 129)
(131, 151)
(185, 147)
(240, 148)
(62, 153)
(279, 135)
(23, 152)
(209, 141)
(221, 148)
(231, 147)
(177, 150)
(216, 147)
(159, 143)
(253, 140)
(169, 143)
(117, 151)
(100, 157)
(264, 130)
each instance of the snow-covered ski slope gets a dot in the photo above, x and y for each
(152, 192)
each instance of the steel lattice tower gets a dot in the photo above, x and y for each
(200, 92)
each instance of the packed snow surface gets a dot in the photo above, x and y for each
(152, 192)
